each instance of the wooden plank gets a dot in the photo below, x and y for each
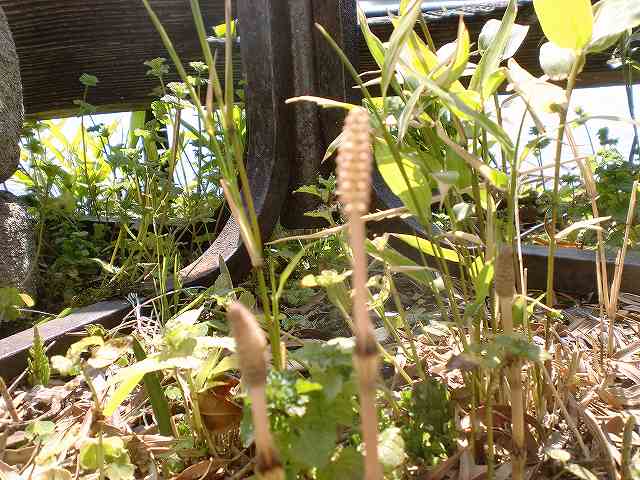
(13, 349)
(57, 41)
(318, 71)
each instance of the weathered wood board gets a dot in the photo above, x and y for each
(58, 40)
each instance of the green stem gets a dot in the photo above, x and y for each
(489, 423)
(407, 327)
(626, 467)
(156, 396)
(571, 82)
(97, 419)
(197, 417)
(273, 324)
(85, 165)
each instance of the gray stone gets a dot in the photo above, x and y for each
(17, 245)
(11, 110)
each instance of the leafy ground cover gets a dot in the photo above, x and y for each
(343, 356)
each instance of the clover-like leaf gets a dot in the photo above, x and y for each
(556, 62)
(391, 448)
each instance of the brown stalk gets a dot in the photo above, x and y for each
(255, 253)
(8, 401)
(506, 289)
(353, 170)
(250, 346)
(601, 261)
(614, 294)
(629, 426)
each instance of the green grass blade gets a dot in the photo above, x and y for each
(493, 56)
(156, 396)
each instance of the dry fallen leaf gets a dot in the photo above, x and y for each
(220, 413)
(206, 469)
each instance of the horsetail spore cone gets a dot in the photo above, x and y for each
(354, 164)
(250, 347)
(353, 168)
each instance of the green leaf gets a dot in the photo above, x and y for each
(490, 31)
(567, 23)
(459, 61)
(89, 450)
(136, 122)
(493, 55)
(483, 281)
(39, 428)
(122, 392)
(224, 283)
(110, 352)
(82, 346)
(321, 102)
(336, 353)
(391, 448)
(228, 363)
(347, 466)
(556, 62)
(310, 189)
(52, 473)
(326, 278)
(85, 107)
(417, 59)
(38, 363)
(403, 7)
(380, 251)
(392, 175)
(154, 364)
(63, 365)
(322, 212)
(398, 40)
(247, 299)
(461, 211)
(60, 441)
(496, 178)
(492, 82)
(120, 471)
(153, 387)
(558, 454)
(306, 386)
(374, 44)
(426, 247)
(220, 31)
(315, 444)
(445, 180)
(467, 103)
(291, 266)
(540, 96)
(88, 80)
(580, 471)
(520, 347)
(611, 19)
(190, 317)
(333, 146)
(107, 267)
(114, 453)
(27, 300)
(409, 111)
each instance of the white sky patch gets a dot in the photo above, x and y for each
(601, 101)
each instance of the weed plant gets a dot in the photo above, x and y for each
(485, 385)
